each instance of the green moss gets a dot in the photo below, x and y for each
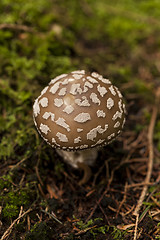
(100, 230)
(12, 198)
(10, 211)
(40, 231)
(12, 201)
(5, 182)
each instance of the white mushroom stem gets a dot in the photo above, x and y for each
(87, 157)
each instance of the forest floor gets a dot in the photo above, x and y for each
(40, 197)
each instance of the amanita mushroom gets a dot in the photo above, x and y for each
(79, 111)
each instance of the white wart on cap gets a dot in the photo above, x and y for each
(79, 111)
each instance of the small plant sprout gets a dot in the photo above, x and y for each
(77, 113)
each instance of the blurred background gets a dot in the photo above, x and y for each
(45, 38)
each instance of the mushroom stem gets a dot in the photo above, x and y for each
(73, 158)
(87, 173)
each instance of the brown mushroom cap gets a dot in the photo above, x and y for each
(79, 111)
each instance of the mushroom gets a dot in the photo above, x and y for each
(79, 111)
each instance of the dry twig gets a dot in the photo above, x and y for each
(123, 200)
(150, 160)
(52, 215)
(16, 27)
(8, 231)
(38, 176)
(37, 171)
(12, 167)
(106, 190)
(104, 213)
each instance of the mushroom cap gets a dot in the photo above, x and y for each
(79, 111)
